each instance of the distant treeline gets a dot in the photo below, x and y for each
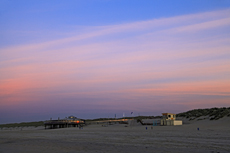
(213, 113)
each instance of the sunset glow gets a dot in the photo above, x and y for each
(55, 63)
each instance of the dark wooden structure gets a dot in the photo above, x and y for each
(71, 121)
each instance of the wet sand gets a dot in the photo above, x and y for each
(212, 137)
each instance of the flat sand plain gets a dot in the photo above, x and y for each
(212, 137)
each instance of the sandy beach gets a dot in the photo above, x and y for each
(212, 137)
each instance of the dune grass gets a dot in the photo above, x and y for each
(213, 113)
(23, 124)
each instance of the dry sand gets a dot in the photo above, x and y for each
(213, 137)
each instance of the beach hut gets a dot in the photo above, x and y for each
(170, 119)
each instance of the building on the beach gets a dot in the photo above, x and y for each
(70, 121)
(170, 119)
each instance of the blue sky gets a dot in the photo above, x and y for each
(97, 58)
(24, 21)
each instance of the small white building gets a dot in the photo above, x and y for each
(170, 119)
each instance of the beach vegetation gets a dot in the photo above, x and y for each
(23, 124)
(214, 113)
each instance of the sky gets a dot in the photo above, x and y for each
(98, 58)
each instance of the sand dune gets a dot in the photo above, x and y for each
(212, 137)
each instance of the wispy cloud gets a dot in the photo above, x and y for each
(141, 61)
